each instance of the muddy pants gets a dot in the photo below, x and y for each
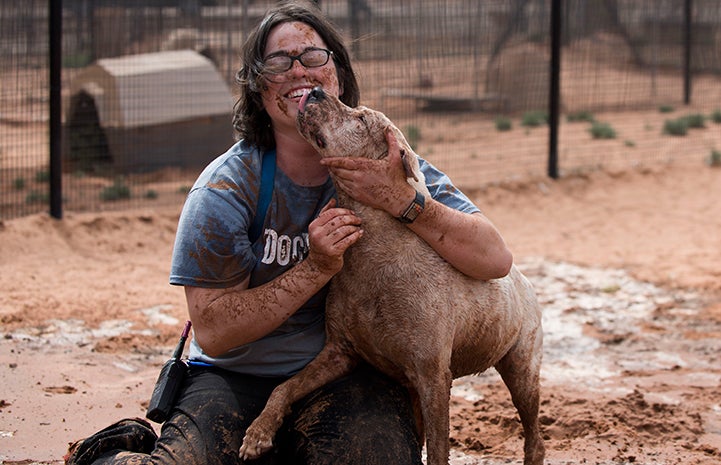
(363, 418)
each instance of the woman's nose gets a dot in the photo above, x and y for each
(297, 68)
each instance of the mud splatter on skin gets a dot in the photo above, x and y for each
(294, 42)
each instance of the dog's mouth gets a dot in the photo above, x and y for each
(312, 97)
(315, 95)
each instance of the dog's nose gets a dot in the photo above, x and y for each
(317, 94)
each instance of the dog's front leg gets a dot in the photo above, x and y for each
(434, 393)
(331, 363)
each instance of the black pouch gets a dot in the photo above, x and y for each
(166, 390)
(167, 387)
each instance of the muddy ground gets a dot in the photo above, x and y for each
(627, 265)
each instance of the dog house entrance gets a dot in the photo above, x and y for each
(87, 144)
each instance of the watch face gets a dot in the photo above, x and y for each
(414, 209)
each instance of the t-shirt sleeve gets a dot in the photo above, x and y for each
(442, 189)
(212, 248)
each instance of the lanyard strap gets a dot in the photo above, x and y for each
(267, 177)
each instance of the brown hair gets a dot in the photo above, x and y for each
(250, 118)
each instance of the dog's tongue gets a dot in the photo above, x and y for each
(303, 100)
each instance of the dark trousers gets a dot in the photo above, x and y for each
(363, 418)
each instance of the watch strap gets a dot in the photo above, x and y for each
(414, 209)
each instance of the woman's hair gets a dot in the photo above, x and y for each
(250, 118)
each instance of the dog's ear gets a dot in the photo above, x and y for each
(405, 151)
(407, 165)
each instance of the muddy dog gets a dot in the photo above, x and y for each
(423, 332)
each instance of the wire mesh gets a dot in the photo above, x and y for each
(466, 81)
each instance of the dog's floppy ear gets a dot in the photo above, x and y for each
(407, 166)
(405, 149)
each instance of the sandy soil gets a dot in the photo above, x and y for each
(627, 265)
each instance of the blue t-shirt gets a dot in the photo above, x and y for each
(212, 249)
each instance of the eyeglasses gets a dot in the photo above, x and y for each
(310, 58)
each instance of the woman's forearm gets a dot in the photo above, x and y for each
(227, 318)
(470, 243)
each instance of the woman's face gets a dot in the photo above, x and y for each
(284, 90)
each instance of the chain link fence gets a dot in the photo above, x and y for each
(147, 89)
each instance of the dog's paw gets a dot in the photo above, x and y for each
(255, 444)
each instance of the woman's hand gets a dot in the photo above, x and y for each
(470, 243)
(381, 184)
(330, 235)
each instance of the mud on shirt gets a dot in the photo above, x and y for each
(212, 250)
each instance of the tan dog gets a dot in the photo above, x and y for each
(423, 332)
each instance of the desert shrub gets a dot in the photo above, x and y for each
(117, 191)
(714, 158)
(716, 116)
(534, 118)
(503, 123)
(579, 116)
(675, 127)
(19, 184)
(77, 60)
(601, 130)
(696, 120)
(665, 109)
(36, 197)
(413, 135)
(42, 176)
(151, 194)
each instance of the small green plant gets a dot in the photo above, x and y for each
(35, 197)
(714, 158)
(629, 143)
(42, 176)
(117, 191)
(534, 118)
(151, 194)
(19, 184)
(580, 116)
(665, 109)
(413, 135)
(601, 130)
(183, 189)
(77, 60)
(716, 116)
(696, 120)
(675, 127)
(503, 123)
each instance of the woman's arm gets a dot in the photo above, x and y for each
(469, 242)
(227, 318)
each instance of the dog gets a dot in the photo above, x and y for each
(411, 314)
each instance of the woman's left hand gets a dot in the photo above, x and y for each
(380, 184)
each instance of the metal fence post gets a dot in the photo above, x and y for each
(687, 24)
(554, 91)
(55, 38)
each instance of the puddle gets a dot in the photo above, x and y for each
(75, 332)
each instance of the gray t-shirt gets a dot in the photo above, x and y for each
(212, 249)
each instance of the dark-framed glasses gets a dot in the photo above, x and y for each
(310, 58)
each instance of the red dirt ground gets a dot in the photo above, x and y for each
(627, 265)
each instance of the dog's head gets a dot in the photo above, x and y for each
(337, 130)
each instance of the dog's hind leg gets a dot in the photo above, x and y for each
(331, 363)
(520, 369)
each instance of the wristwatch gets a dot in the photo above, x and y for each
(413, 210)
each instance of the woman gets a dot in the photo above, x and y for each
(257, 303)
